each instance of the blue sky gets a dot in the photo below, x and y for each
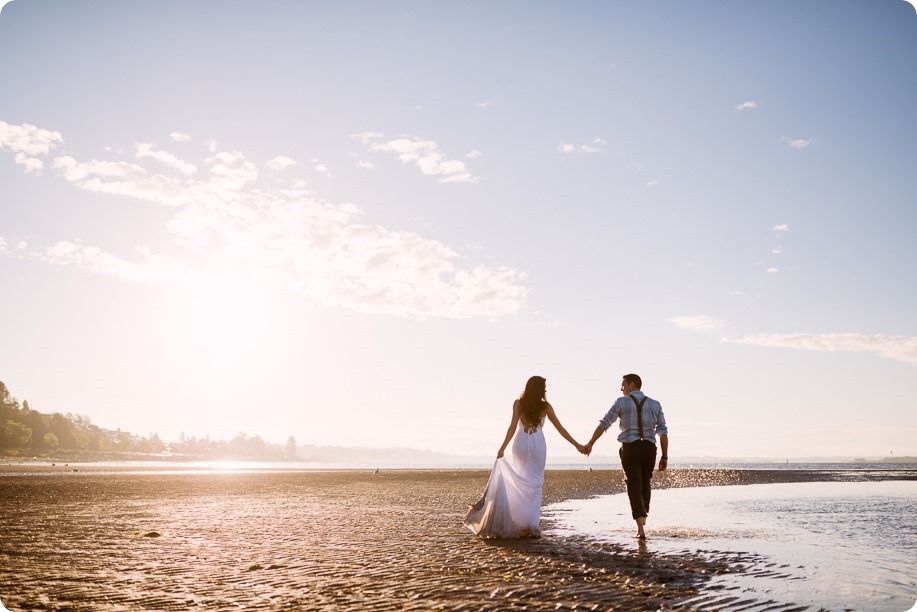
(367, 224)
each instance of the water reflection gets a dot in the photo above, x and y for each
(834, 545)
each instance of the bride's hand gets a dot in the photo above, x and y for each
(500, 453)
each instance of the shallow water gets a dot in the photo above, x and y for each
(827, 545)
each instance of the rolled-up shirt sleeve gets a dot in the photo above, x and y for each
(661, 428)
(610, 417)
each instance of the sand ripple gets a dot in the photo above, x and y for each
(308, 540)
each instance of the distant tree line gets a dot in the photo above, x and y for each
(27, 432)
(243, 446)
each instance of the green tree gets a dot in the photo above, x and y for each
(50, 441)
(5, 398)
(98, 441)
(80, 440)
(9, 407)
(61, 427)
(123, 441)
(16, 435)
(37, 422)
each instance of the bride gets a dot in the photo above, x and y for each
(511, 504)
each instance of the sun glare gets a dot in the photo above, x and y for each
(225, 320)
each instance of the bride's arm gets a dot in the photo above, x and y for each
(560, 429)
(512, 429)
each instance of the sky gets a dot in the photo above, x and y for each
(367, 224)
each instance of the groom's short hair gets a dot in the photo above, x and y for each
(634, 380)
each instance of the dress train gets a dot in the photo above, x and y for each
(511, 504)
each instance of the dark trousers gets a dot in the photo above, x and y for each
(638, 460)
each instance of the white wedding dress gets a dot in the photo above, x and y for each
(511, 504)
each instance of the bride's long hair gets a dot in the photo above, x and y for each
(532, 400)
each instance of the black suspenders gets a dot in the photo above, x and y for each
(639, 406)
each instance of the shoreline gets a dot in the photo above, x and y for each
(778, 534)
(346, 539)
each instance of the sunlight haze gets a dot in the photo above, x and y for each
(367, 224)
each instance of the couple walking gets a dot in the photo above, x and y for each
(511, 504)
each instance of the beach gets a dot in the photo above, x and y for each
(125, 539)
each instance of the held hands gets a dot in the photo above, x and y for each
(584, 449)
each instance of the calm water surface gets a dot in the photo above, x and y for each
(827, 545)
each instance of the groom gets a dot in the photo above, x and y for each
(641, 419)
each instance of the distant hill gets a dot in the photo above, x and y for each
(25, 432)
(900, 460)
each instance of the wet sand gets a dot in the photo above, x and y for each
(125, 540)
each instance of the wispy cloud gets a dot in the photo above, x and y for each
(797, 143)
(484, 104)
(425, 154)
(6, 249)
(121, 178)
(164, 158)
(698, 322)
(280, 162)
(773, 270)
(28, 139)
(27, 142)
(595, 146)
(778, 249)
(279, 233)
(898, 348)
(31, 164)
(151, 269)
(746, 105)
(180, 137)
